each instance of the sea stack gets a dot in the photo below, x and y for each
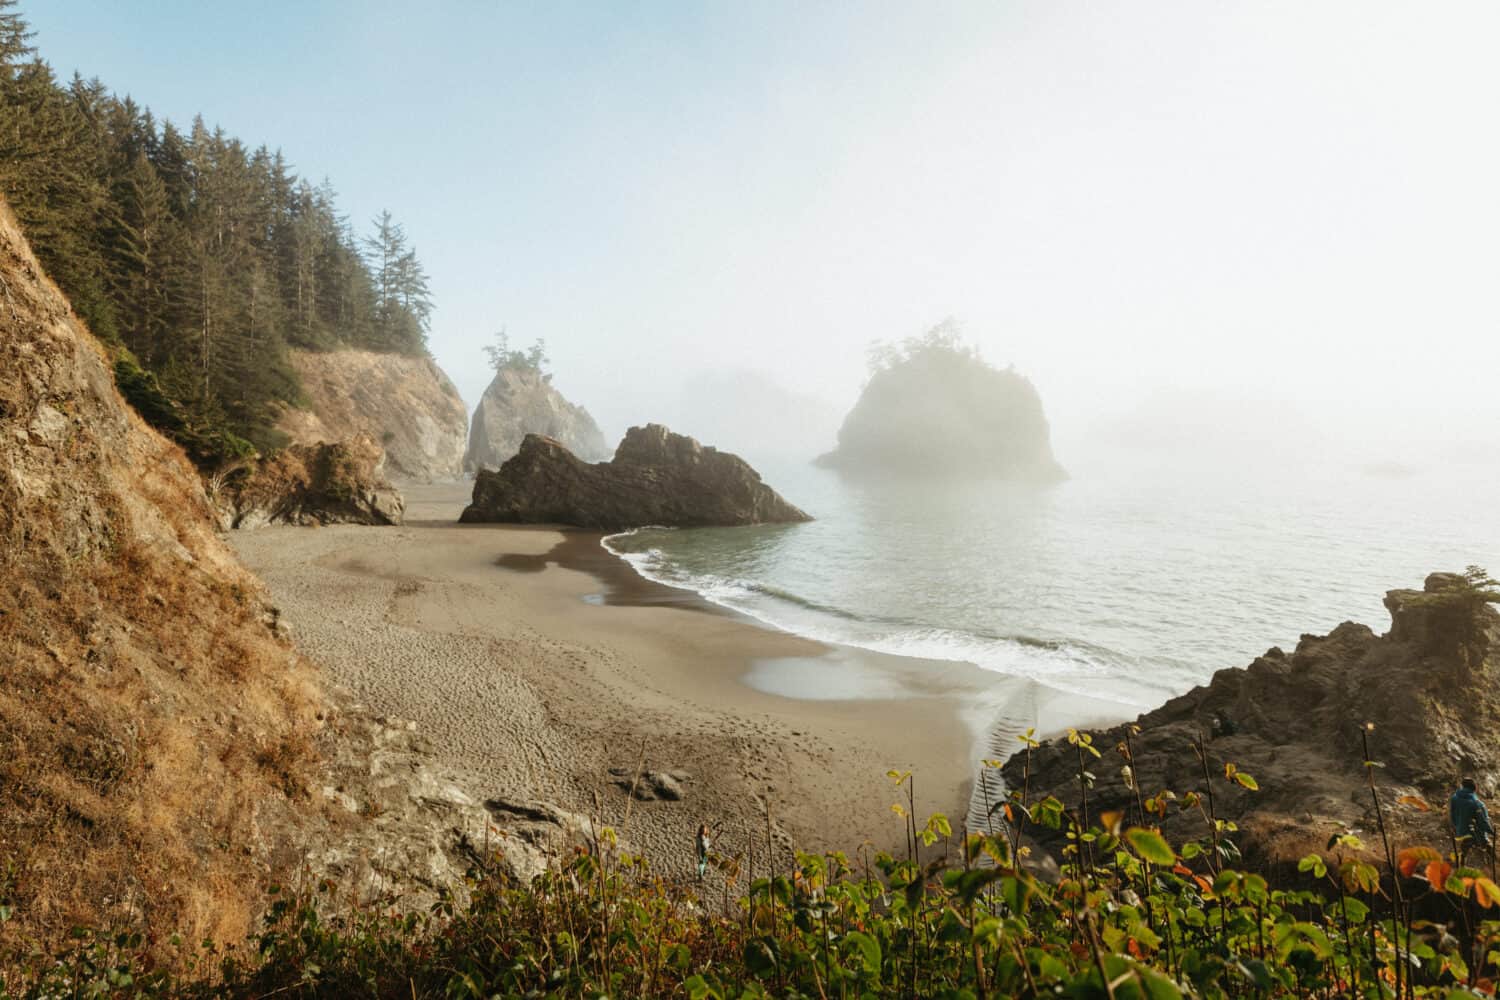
(521, 401)
(934, 407)
(655, 478)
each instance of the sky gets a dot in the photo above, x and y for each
(1194, 225)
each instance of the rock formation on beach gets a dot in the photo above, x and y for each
(934, 407)
(1430, 687)
(311, 484)
(656, 477)
(522, 401)
(155, 727)
(404, 402)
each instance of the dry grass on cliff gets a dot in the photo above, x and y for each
(155, 733)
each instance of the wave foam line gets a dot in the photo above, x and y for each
(1050, 661)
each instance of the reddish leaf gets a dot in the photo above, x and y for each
(1412, 858)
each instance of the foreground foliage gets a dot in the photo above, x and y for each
(1128, 915)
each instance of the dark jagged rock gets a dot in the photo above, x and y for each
(314, 484)
(1293, 721)
(656, 477)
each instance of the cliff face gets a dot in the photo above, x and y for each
(656, 477)
(405, 403)
(943, 411)
(521, 402)
(1430, 686)
(154, 727)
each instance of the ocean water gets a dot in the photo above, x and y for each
(1131, 582)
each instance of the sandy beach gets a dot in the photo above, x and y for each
(535, 662)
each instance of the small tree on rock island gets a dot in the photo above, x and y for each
(1461, 613)
(503, 358)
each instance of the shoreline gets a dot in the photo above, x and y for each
(536, 661)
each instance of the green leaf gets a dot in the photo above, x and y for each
(698, 989)
(869, 951)
(1151, 846)
(1157, 986)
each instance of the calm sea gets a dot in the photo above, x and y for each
(1127, 583)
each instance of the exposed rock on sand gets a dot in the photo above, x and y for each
(411, 828)
(656, 477)
(522, 401)
(314, 484)
(1293, 722)
(404, 402)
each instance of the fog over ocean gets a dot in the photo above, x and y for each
(1123, 583)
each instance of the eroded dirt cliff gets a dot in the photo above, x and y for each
(154, 728)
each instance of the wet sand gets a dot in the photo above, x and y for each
(535, 662)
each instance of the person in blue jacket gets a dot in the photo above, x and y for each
(1470, 819)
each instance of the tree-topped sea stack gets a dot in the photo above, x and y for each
(522, 400)
(933, 406)
(656, 478)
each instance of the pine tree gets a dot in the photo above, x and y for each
(403, 302)
(15, 35)
(199, 260)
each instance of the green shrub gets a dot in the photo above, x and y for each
(1129, 917)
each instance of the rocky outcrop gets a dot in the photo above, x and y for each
(936, 408)
(522, 401)
(1429, 688)
(403, 402)
(154, 727)
(407, 831)
(312, 484)
(656, 477)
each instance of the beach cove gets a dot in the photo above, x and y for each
(539, 666)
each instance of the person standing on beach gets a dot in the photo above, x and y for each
(703, 844)
(1470, 819)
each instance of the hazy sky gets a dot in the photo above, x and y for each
(1274, 217)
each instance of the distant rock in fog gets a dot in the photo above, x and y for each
(751, 414)
(934, 407)
(522, 401)
(656, 478)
